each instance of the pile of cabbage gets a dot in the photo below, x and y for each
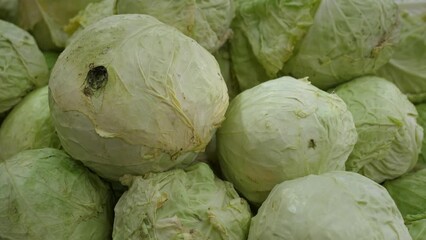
(213, 119)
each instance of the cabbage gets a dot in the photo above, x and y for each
(407, 68)
(206, 21)
(22, 65)
(409, 193)
(389, 138)
(28, 126)
(133, 95)
(52, 22)
(178, 204)
(46, 195)
(223, 57)
(330, 41)
(280, 130)
(334, 205)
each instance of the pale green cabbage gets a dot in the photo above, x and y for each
(28, 126)
(389, 138)
(187, 204)
(133, 95)
(206, 21)
(409, 193)
(280, 130)
(22, 65)
(45, 195)
(330, 41)
(407, 68)
(332, 206)
(52, 22)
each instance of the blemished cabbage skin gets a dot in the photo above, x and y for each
(330, 41)
(133, 95)
(389, 138)
(330, 206)
(46, 195)
(186, 204)
(28, 126)
(409, 194)
(407, 67)
(206, 21)
(22, 65)
(280, 130)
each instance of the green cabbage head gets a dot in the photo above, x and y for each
(206, 21)
(22, 65)
(280, 130)
(409, 193)
(45, 195)
(330, 206)
(329, 41)
(28, 126)
(133, 95)
(389, 138)
(407, 67)
(180, 204)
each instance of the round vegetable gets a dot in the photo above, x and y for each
(407, 68)
(280, 130)
(28, 126)
(409, 193)
(44, 194)
(178, 204)
(334, 205)
(133, 95)
(206, 21)
(22, 65)
(389, 138)
(330, 41)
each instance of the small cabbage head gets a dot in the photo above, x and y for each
(180, 204)
(28, 126)
(330, 41)
(22, 65)
(334, 205)
(409, 193)
(206, 21)
(389, 138)
(44, 194)
(407, 67)
(280, 130)
(134, 95)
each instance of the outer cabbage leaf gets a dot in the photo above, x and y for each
(265, 35)
(8, 10)
(28, 126)
(407, 68)
(280, 130)
(409, 194)
(389, 138)
(421, 120)
(191, 204)
(206, 21)
(45, 195)
(334, 205)
(22, 65)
